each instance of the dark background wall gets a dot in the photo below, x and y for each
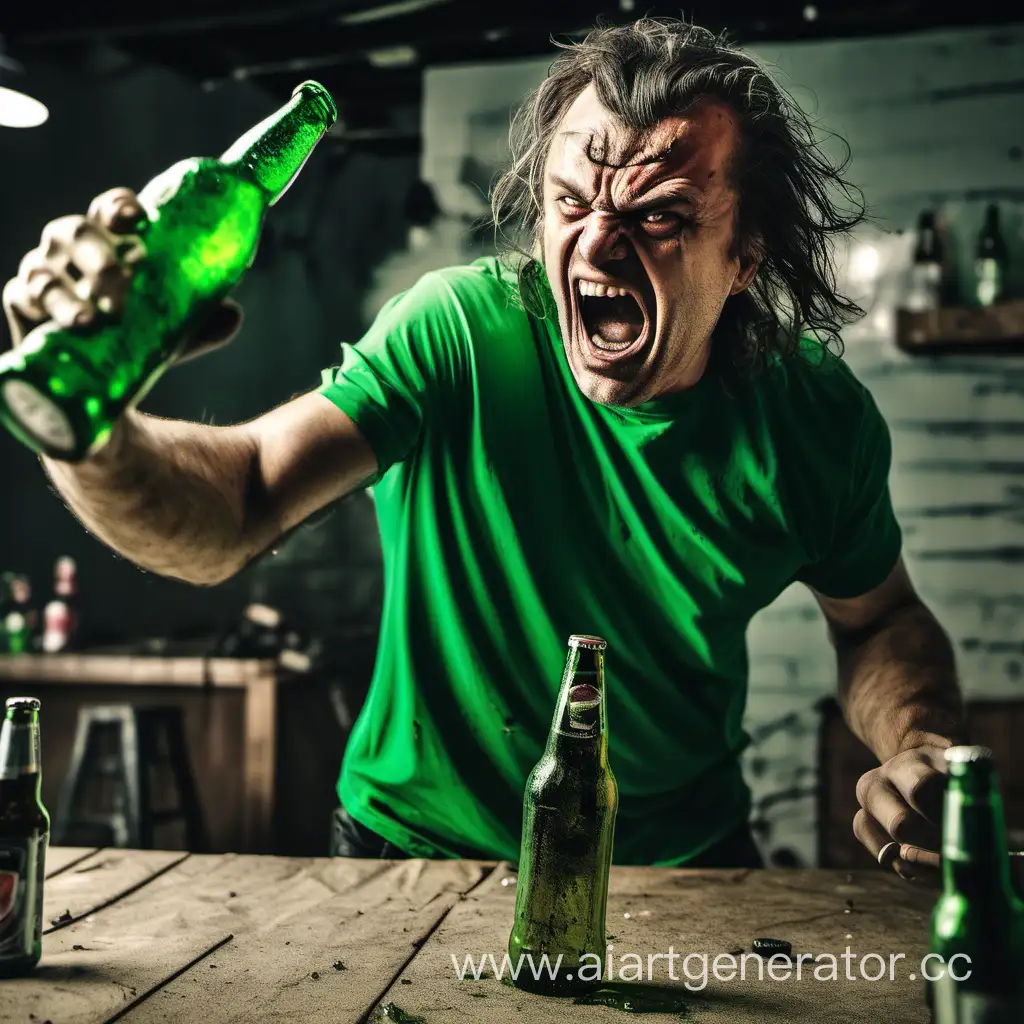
(115, 121)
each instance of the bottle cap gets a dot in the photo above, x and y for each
(593, 643)
(23, 703)
(771, 947)
(967, 754)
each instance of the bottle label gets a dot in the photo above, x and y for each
(989, 276)
(22, 866)
(19, 749)
(954, 1005)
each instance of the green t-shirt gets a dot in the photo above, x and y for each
(514, 512)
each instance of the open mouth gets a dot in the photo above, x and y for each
(614, 319)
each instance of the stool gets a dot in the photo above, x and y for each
(107, 798)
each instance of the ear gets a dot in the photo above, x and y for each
(742, 280)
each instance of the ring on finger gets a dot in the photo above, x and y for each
(888, 853)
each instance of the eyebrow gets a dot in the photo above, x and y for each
(667, 195)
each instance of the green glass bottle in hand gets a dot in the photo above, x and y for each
(569, 810)
(977, 925)
(62, 390)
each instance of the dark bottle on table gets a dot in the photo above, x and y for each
(569, 809)
(990, 260)
(24, 835)
(977, 925)
(61, 614)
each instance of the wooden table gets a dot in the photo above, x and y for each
(148, 936)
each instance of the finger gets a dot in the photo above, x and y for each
(16, 323)
(921, 866)
(92, 254)
(43, 287)
(922, 784)
(60, 303)
(888, 807)
(17, 296)
(875, 840)
(118, 210)
(914, 855)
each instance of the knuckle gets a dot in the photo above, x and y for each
(39, 283)
(860, 827)
(897, 822)
(865, 784)
(30, 263)
(13, 294)
(63, 230)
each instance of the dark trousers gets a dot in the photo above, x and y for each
(349, 838)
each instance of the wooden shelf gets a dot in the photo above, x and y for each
(956, 330)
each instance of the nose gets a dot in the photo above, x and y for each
(603, 239)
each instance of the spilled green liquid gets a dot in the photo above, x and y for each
(398, 1016)
(631, 997)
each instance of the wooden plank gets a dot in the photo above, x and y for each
(99, 880)
(702, 912)
(60, 858)
(129, 949)
(355, 941)
(260, 762)
(121, 670)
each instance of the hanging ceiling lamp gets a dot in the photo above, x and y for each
(17, 108)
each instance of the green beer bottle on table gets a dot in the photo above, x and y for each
(62, 391)
(569, 812)
(977, 925)
(24, 835)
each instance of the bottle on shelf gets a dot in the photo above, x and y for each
(927, 269)
(990, 260)
(61, 616)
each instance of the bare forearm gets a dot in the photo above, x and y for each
(170, 497)
(898, 683)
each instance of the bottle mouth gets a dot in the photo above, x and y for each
(23, 703)
(314, 90)
(594, 643)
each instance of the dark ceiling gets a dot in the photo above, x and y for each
(371, 53)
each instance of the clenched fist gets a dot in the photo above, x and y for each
(82, 268)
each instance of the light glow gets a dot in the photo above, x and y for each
(20, 111)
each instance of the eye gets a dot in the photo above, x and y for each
(663, 222)
(572, 203)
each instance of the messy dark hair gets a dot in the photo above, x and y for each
(793, 200)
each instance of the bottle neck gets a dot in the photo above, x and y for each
(273, 152)
(578, 734)
(975, 857)
(19, 746)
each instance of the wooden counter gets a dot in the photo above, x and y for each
(233, 711)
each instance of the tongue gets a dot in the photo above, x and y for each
(617, 320)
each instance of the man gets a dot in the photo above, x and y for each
(625, 436)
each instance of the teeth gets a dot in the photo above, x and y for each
(601, 290)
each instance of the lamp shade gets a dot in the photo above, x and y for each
(18, 109)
